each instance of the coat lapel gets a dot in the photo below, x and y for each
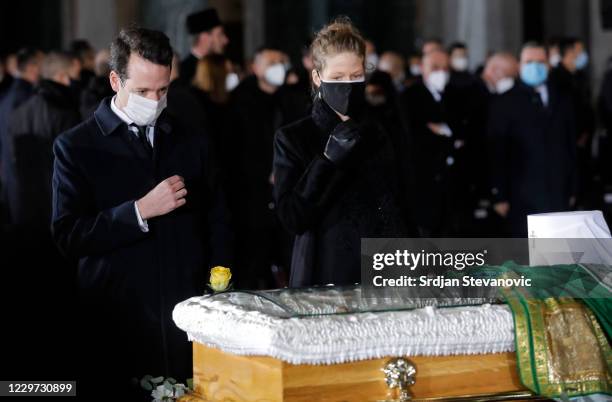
(162, 143)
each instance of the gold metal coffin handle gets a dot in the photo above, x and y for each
(400, 373)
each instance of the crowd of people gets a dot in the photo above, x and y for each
(480, 150)
(277, 169)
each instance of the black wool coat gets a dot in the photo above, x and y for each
(439, 165)
(130, 280)
(532, 153)
(330, 208)
(33, 127)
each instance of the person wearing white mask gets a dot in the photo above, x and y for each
(497, 78)
(499, 73)
(136, 201)
(259, 105)
(414, 68)
(458, 57)
(459, 65)
(554, 56)
(393, 63)
(372, 58)
(414, 65)
(531, 145)
(438, 119)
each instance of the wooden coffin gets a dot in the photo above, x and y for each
(220, 376)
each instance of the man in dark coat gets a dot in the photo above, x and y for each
(33, 127)
(257, 110)
(604, 106)
(438, 117)
(135, 199)
(532, 145)
(98, 87)
(498, 77)
(85, 53)
(569, 76)
(6, 79)
(208, 37)
(28, 65)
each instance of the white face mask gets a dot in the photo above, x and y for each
(459, 63)
(504, 85)
(415, 69)
(142, 110)
(231, 81)
(275, 74)
(438, 80)
(554, 59)
(371, 62)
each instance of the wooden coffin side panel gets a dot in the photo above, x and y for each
(220, 376)
(437, 376)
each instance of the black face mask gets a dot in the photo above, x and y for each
(347, 98)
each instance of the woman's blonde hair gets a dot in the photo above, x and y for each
(210, 77)
(336, 37)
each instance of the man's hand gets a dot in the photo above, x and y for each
(502, 208)
(441, 129)
(164, 198)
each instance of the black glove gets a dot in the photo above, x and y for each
(341, 141)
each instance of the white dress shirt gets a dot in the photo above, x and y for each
(542, 90)
(144, 226)
(445, 130)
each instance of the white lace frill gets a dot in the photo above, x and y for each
(331, 339)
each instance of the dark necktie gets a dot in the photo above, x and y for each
(144, 141)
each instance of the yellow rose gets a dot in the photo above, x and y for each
(219, 278)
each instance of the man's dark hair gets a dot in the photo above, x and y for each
(151, 45)
(26, 56)
(268, 46)
(567, 45)
(80, 47)
(456, 45)
(433, 39)
(553, 41)
(534, 45)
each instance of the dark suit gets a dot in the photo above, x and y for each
(576, 85)
(604, 106)
(19, 91)
(532, 152)
(438, 163)
(32, 128)
(130, 280)
(188, 69)
(255, 117)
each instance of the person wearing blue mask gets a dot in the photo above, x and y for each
(531, 145)
(570, 76)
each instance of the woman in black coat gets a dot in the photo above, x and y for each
(336, 176)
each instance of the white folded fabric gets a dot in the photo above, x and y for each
(568, 225)
(330, 339)
(578, 237)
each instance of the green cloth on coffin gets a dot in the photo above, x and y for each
(563, 327)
